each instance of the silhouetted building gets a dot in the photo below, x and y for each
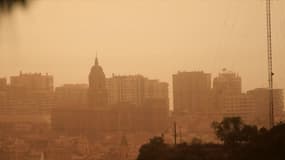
(225, 87)
(252, 107)
(3, 84)
(3, 92)
(135, 89)
(126, 89)
(154, 89)
(115, 118)
(3, 98)
(28, 91)
(261, 100)
(239, 106)
(97, 92)
(227, 83)
(191, 92)
(131, 100)
(71, 95)
(32, 82)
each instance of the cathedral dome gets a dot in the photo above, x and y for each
(97, 92)
(96, 76)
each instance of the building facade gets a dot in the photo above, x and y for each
(3, 83)
(135, 89)
(261, 106)
(28, 91)
(191, 92)
(126, 89)
(227, 83)
(71, 95)
(3, 92)
(226, 86)
(33, 82)
(239, 106)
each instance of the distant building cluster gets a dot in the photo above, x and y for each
(134, 102)
(82, 121)
(135, 89)
(27, 91)
(71, 95)
(119, 103)
(194, 97)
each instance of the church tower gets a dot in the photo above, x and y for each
(97, 92)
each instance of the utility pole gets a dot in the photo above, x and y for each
(269, 56)
(175, 133)
(180, 135)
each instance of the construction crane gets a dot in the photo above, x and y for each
(270, 69)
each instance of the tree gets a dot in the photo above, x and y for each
(228, 130)
(196, 141)
(269, 144)
(155, 149)
(249, 133)
(233, 131)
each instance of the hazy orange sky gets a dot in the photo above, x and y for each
(155, 38)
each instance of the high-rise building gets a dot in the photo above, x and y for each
(97, 92)
(125, 89)
(3, 92)
(32, 82)
(3, 83)
(191, 92)
(71, 95)
(226, 86)
(135, 89)
(154, 89)
(227, 83)
(30, 90)
(239, 106)
(261, 100)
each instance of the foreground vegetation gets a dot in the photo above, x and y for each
(240, 142)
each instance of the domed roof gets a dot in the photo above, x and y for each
(97, 70)
(96, 76)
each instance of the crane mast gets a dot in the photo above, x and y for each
(269, 56)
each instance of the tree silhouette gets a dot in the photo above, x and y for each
(233, 131)
(229, 130)
(155, 149)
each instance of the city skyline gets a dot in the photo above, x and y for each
(170, 86)
(171, 33)
(142, 80)
(212, 76)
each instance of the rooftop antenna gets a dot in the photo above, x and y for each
(269, 56)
